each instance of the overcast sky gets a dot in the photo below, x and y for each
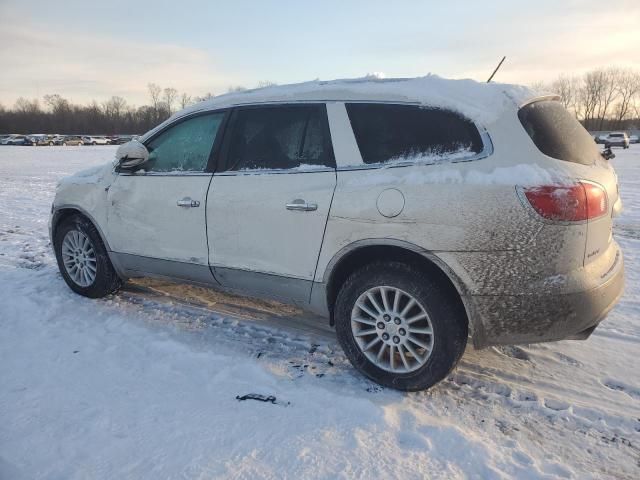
(85, 51)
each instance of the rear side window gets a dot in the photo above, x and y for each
(387, 133)
(557, 133)
(279, 137)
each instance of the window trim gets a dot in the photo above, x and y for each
(224, 150)
(485, 138)
(212, 161)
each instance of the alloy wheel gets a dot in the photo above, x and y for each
(392, 329)
(79, 258)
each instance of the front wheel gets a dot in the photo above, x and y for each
(83, 260)
(399, 327)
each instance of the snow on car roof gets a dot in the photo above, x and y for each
(479, 101)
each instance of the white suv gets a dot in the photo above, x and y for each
(411, 213)
(616, 139)
(95, 140)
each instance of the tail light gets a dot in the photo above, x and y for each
(572, 203)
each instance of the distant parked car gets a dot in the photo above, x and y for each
(72, 140)
(616, 139)
(42, 140)
(91, 140)
(634, 139)
(17, 140)
(121, 139)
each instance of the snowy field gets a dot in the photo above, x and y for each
(143, 384)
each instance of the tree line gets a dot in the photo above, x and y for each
(602, 99)
(57, 114)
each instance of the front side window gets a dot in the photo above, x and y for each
(388, 133)
(186, 146)
(279, 137)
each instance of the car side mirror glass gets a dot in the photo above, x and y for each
(608, 154)
(131, 155)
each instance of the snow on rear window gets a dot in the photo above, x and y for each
(397, 133)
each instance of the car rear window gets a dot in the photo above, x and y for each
(557, 133)
(387, 133)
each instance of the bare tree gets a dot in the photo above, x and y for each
(57, 103)
(24, 105)
(185, 100)
(236, 88)
(608, 92)
(266, 83)
(115, 107)
(567, 88)
(170, 95)
(589, 96)
(628, 86)
(154, 92)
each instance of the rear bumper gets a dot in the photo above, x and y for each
(517, 319)
(617, 144)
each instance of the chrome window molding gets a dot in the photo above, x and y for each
(274, 171)
(163, 174)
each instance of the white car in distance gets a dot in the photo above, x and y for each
(616, 139)
(95, 140)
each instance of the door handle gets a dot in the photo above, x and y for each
(302, 205)
(188, 203)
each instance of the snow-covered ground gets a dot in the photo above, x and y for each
(143, 384)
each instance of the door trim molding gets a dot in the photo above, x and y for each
(140, 266)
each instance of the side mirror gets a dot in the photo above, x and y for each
(131, 155)
(608, 154)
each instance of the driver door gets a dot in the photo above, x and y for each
(156, 220)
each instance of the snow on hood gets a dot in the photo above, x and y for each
(479, 101)
(89, 175)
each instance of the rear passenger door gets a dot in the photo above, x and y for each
(268, 203)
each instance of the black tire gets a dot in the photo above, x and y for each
(106, 280)
(446, 313)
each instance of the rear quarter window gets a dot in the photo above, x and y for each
(557, 133)
(395, 133)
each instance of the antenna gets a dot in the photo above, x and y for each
(494, 72)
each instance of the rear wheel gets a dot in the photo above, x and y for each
(83, 260)
(399, 327)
